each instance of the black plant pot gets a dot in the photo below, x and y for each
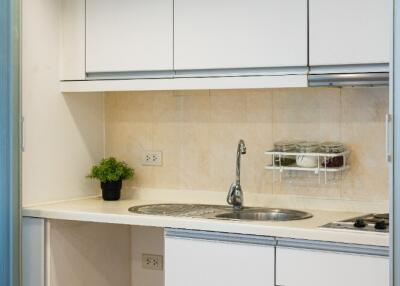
(111, 190)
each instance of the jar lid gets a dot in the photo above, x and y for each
(332, 147)
(285, 145)
(307, 147)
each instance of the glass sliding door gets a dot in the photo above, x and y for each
(9, 143)
(395, 190)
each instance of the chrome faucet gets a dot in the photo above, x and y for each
(235, 194)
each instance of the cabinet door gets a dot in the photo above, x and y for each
(220, 34)
(33, 251)
(349, 32)
(129, 35)
(296, 267)
(197, 262)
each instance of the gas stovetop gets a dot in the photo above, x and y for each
(369, 222)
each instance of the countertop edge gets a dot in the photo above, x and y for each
(314, 234)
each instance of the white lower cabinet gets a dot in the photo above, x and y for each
(75, 253)
(33, 251)
(214, 261)
(305, 267)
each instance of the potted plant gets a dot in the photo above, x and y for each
(110, 173)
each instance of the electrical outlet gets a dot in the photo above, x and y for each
(152, 158)
(152, 261)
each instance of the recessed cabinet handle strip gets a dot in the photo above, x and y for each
(388, 120)
(22, 134)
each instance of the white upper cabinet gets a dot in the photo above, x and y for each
(72, 40)
(129, 35)
(349, 32)
(298, 267)
(223, 34)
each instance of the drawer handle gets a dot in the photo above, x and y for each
(388, 121)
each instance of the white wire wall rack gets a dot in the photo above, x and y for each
(320, 169)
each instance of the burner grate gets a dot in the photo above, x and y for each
(369, 222)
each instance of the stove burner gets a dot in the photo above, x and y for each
(381, 224)
(369, 222)
(359, 223)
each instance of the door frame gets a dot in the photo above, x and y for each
(10, 215)
(394, 147)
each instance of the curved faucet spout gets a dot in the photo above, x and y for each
(241, 150)
(235, 194)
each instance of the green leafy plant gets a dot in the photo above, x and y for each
(111, 170)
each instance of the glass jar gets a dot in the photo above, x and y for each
(306, 160)
(284, 146)
(332, 148)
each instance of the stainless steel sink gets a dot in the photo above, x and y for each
(185, 210)
(265, 214)
(220, 212)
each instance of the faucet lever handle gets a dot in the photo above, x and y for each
(235, 196)
(230, 193)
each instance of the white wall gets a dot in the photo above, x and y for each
(146, 240)
(85, 253)
(64, 133)
(88, 254)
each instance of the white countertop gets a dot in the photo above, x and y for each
(97, 210)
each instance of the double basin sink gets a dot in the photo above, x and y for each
(221, 212)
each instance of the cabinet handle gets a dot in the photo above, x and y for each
(22, 134)
(388, 121)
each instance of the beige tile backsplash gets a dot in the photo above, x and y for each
(198, 131)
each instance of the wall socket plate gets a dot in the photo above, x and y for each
(152, 261)
(152, 158)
